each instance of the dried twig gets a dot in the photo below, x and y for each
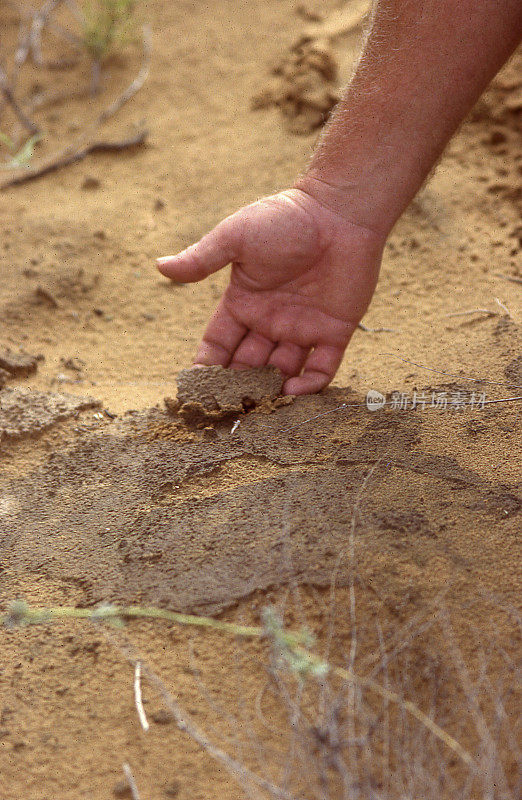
(20, 56)
(129, 777)
(78, 150)
(138, 140)
(21, 52)
(138, 702)
(30, 29)
(376, 330)
(39, 21)
(136, 84)
(9, 97)
(511, 278)
(237, 769)
(485, 311)
(504, 308)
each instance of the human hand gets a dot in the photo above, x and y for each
(302, 277)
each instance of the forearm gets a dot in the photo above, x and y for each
(424, 65)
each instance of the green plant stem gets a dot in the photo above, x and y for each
(289, 642)
(41, 615)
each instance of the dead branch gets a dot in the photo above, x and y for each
(511, 278)
(466, 313)
(135, 85)
(9, 97)
(376, 330)
(22, 51)
(131, 783)
(55, 98)
(39, 21)
(75, 151)
(97, 147)
(29, 34)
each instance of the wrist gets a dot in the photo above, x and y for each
(365, 206)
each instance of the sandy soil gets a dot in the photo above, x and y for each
(125, 501)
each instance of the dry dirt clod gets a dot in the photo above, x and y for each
(162, 717)
(172, 789)
(303, 87)
(24, 412)
(46, 296)
(19, 365)
(90, 182)
(73, 363)
(121, 789)
(216, 392)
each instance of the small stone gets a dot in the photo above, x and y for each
(497, 137)
(61, 377)
(74, 363)
(121, 789)
(159, 204)
(172, 789)
(162, 717)
(46, 296)
(89, 183)
(19, 744)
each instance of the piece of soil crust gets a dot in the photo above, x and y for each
(213, 393)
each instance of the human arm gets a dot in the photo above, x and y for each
(424, 65)
(305, 262)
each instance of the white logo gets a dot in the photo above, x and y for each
(375, 400)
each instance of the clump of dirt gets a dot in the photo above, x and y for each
(213, 393)
(304, 79)
(24, 411)
(302, 86)
(18, 365)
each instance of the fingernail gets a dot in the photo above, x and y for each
(163, 260)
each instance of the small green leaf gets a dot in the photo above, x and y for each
(26, 152)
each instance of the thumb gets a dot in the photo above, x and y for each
(213, 252)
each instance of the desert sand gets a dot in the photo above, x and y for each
(109, 495)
